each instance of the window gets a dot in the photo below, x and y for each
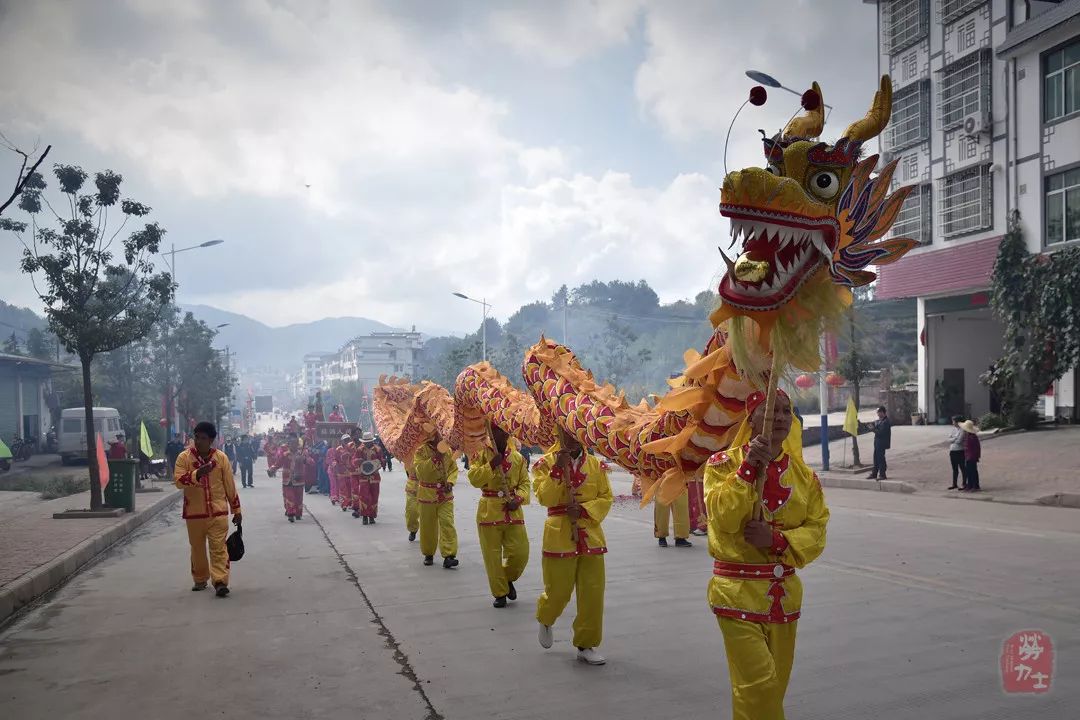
(905, 23)
(965, 36)
(965, 89)
(966, 201)
(71, 425)
(953, 9)
(1061, 82)
(914, 220)
(1063, 207)
(910, 124)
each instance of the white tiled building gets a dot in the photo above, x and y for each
(364, 359)
(986, 120)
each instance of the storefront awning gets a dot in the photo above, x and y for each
(952, 270)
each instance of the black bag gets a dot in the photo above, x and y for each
(235, 544)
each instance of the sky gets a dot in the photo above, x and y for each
(371, 158)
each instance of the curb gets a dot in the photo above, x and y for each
(850, 483)
(27, 588)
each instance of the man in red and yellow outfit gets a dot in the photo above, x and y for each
(503, 479)
(205, 476)
(436, 472)
(754, 592)
(345, 473)
(662, 514)
(412, 507)
(367, 459)
(573, 485)
(291, 459)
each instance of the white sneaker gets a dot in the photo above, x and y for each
(590, 656)
(546, 636)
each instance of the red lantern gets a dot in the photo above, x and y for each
(834, 380)
(163, 422)
(804, 382)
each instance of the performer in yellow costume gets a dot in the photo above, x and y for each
(573, 485)
(680, 508)
(436, 473)
(503, 479)
(755, 592)
(412, 507)
(205, 476)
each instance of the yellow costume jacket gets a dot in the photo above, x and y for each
(498, 486)
(410, 478)
(592, 492)
(213, 495)
(759, 584)
(431, 474)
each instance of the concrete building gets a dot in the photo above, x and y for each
(985, 122)
(24, 392)
(364, 359)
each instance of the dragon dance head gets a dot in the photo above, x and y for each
(810, 221)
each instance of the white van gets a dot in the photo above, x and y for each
(73, 431)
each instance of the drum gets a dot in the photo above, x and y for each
(369, 467)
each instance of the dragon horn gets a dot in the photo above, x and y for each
(810, 124)
(730, 263)
(877, 117)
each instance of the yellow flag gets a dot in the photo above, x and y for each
(144, 441)
(851, 419)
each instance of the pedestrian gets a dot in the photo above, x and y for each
(322, 452)
(229, 448)
(311, 468)
(117, 448)
(754, 591)
(573, 485)
(436, 472)
(205, 476)
(345, 474)
(699, 518)
(336, 415)
(412, 506)
(972, 455)
(662, 514)
(956, 453)
(502, 475)
(882, 441)
(245, 458)
(387, 459)
(173, 448)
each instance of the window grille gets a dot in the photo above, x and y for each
(910, 121)
(966, 201)
(965, 89)
(914, 219)
(905, 22)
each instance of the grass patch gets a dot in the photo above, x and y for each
(63, 486)
(22, 483)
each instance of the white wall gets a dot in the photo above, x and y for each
(970, 340)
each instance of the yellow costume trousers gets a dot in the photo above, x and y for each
(212, 532)
(506, 552)
(437, 528)
(680, 509)
(759, 663)
(562, 576)
(412, 513)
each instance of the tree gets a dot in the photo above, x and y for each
(853, 366)
(188, 369)
(1037, 299)
(11, 344)
(617, 359)
(40, 344)
(94, 303)
(25, 176)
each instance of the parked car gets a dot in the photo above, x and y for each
(73, 430)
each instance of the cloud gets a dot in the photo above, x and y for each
(562, 32)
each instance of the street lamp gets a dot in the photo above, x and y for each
(483, 328)
(171, 262)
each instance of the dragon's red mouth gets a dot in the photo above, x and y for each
(794, 246)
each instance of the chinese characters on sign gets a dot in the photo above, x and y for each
(1027, 662)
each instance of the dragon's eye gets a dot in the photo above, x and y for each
(825, 184)
(773, 168)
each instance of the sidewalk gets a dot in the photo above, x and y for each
(39, 552)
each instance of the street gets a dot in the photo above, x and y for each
(904, 617)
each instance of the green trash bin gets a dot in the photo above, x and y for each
(120, 492)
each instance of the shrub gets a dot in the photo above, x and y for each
(992, 421)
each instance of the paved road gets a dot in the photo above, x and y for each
(905, 616)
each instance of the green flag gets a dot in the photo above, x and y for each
(4, 451)
(144, 441)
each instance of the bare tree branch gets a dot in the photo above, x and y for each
(23, 178)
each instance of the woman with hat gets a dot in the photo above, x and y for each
(972, 455)
(754, 591)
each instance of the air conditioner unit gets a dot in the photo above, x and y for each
(975, 125)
